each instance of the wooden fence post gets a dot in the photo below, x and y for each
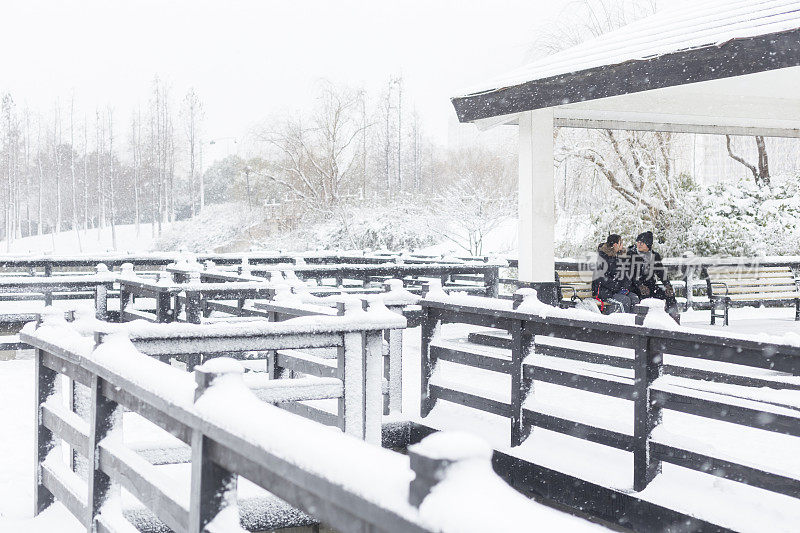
(491, 278)
(105, 416)
(373, 390)
(353, 368)
(429, 328)
(394, 372)
(521, 347)
(44, 383)
(162, 306)
(193, 316)
(213, 488)
(647, 415)
(101, 301)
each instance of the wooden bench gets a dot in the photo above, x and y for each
(733, 286)
(574, 284)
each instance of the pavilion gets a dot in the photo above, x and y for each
(714, 67)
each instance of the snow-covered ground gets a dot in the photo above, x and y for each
(91, 241)
(732, 504)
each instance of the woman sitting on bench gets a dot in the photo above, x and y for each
(611, 284)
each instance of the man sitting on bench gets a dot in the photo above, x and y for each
(647, 270)
(611, 284)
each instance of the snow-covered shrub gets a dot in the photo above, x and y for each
(218, 226)
(738, 219)
(402, 226)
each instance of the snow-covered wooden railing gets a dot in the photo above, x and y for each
(351, 342)
(344, 482)
(710, 387)
(365, 273)
(94, 286)
(200, 299)
(166, 294)
(48, 264)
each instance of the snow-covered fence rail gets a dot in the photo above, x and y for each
(713, 376)
(414, 274)
(291, 305)
(52, 264)
(166, 293)
(96, 286)
(345, 483)
(351, 343)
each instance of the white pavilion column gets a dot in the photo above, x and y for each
(537, 215)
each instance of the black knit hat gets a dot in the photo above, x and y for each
(647, 238)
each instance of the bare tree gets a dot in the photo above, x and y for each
(9, 142)
(317, 160)
(57, 162)
(135, 139)
(85, 173)
(760, 172)
(39, 194)
(637, 165)
(72, 171)
(192, 116)
(110, 114)
(100, 147)
(480, 196)
(399, 82)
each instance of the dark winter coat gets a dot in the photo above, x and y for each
(647, 271)
(609, 278)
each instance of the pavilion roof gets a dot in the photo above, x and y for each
(682, 46)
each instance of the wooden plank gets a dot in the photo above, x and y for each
(470, 400)
(583, 355)
(472, 359)
(306, 364)
(579, 381)
(748, 475)
(496, 340)
(129, 315)
(312, 413)
(54, 481)
(67, 368)
(751, 354)
(158, 415)
(199, 344)
(146, 482)
(70, 428)
(733, 379)
(736, 414)
(579, 430)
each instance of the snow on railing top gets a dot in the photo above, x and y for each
(354, 319)
(656, 319)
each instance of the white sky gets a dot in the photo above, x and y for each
(249, 59)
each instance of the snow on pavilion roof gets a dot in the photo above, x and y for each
(685, 44)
